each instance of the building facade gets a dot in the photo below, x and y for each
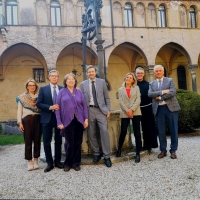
(39, 35)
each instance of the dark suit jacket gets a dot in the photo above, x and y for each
(44, 101)
(103, 98)
(170, 98)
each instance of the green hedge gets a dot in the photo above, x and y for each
(189, 115)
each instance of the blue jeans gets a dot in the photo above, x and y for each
(164, 113)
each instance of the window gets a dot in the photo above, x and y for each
(181, 77)
(38, 74)
(11, 12)
(192, 17)
(128, 15)
(162, 16)
(80, 11)
(183, 16)
(55, 14)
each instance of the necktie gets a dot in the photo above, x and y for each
(54, 94)
(159, 85)
(94, 94)
(160, 88)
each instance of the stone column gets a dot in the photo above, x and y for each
(146, 17)
(150, 72)
(193, 69)
(198, 18)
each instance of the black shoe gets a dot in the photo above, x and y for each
(108, 162)
(49, 167)
(118, 153)
(58, 165)
(66, 169)
(96, 158)
(77, 168)
(137, 158)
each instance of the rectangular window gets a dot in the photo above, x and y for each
(38, 74)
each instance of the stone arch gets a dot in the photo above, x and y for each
(17, 64)
(183, 15)
(70, 58)
(17, 50)
(171, 55)
(124, 58)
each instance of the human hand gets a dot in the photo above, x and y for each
(61, 127)
(157, 98)
(129, 112)
(165, 91)
(85, 124)
(108, 115)
(21, 127)
(54, 107)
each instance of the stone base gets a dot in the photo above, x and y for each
(87, 160)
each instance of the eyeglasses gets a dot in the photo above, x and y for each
(139, 73)
(31, 85)
(54, 76)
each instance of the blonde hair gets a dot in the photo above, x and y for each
(133, 75)
(32, 80)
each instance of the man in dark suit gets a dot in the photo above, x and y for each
(98, 103)
(165, 106)
(47, 104)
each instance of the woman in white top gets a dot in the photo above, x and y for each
(28, 118)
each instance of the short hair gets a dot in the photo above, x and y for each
(54, 71)
(67, 76)
(31, 80)
(156, 66)
(130, 73)
(139, 68)
(91, 67)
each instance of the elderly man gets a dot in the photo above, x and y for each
(165, 106)
(98, 103)
(47, 104)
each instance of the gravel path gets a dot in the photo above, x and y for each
(151, 179)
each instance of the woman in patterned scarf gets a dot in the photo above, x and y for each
(28, 118)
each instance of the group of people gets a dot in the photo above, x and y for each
(66, 111)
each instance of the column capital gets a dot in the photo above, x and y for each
(150, 71)
(193, 68)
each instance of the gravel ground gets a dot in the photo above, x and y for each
(151, 179)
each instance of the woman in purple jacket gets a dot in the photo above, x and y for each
(72, 118)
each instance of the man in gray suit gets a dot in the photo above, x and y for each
(165, 106)
(98, 103)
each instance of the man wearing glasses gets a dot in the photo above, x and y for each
(47, 104)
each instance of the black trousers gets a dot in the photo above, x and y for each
(136, 127)
(149, 128)
(73, 140)
(32, 134)
(47, 131)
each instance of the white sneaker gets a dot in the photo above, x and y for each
(36, 166)
(30, 165)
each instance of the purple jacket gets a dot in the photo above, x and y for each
(69, 106)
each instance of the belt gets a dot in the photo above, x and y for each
(163, 105)
(93, 106)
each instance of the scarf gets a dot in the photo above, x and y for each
(28, 101)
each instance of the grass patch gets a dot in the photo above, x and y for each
(11, 139)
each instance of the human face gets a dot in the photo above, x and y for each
(159, 72)
(91, 73)
(70, 81)
(31, 87)
(53, 78)
(140, 75)
(129, 80)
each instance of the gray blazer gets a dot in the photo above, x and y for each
(103, 98)
(169, 98)
(132, 103)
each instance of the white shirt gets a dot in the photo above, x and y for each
(90, 87)
(52, 89)
(158, 80)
